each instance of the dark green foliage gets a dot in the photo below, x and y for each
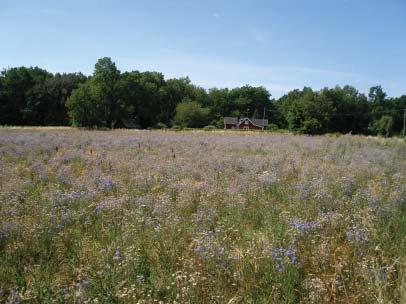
(58, 89)
(97, 103)
(191, 114)
(161, 125)
(272, 127)
(348, 109)
(83, 110)
(209, 128)
(243, 101)
(342, 110)
(306, 111)
(383, 126)
(32, 96)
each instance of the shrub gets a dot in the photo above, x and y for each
(311, 126)
(272, 127)
(209, 128)
(161, 125)
(383, 126)
(191, 114)
(177, 128)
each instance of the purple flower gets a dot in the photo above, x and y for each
(305, 226)
(105, 183)
(15, 297)
(85, 283)
(117, 255)
(283, 257)
(66, 219)
(4, 231)
(357, 235)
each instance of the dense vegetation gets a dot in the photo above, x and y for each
(32, 96)
(201, 217)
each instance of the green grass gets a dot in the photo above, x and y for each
(200, 217)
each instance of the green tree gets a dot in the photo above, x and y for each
(83, 107)
(57, 90)
(103, 106)
(306, 111)
(191, 114)
(250, 101)
(22, 97)
(104, 91)
(149, 98)
(383, 126)
(349, 111)
(398, 106)
(176, 90)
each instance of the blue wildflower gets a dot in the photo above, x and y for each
(284, 257)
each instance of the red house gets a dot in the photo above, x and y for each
(245, 123)
(230, 122)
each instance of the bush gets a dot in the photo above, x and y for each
(311, 126)
(177, 128)
(383, 126)
(218, 123)
(191, 114)
(272, 127)
(161, 125)
(209, 128)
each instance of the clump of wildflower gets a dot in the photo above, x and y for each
(5, 231)
(63, 198)
(63, 175)
(268, 178)
(117, 255)
(110, 204)
(304, 190)
(305, 226)
(15, 297)
(208, 247)
(80, 287)
(66, 219)
(283, 257)
(317, 290)
(105, 184)
(357, 234)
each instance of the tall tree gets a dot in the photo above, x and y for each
(103, 89)
(103, 101)
(22, 98)
(57, 90)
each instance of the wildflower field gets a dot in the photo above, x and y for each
(200, 217)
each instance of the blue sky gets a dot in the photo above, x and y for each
(279, 44)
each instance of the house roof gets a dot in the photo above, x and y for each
(260, 122)
(256, 122)
(230, 120)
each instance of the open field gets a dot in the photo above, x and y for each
(200, 217)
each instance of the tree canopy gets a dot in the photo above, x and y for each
(34, 96)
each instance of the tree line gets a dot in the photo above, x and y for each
(33, 96)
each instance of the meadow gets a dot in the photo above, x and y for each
(200, 217)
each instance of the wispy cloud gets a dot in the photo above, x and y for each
(216, 15)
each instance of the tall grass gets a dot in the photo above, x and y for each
(200, 217)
